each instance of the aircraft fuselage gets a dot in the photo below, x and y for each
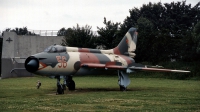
(69, 61)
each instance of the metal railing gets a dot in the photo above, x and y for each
(44, 32)
(50, 32)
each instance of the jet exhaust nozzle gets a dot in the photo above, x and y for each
(31, 64)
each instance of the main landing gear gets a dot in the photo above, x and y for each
(67, 82)
(123, 80)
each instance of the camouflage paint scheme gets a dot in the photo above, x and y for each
(59, 60)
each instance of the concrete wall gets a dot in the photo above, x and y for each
(15, 52)
(11, 68)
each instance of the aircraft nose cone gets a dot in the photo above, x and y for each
(31, 64)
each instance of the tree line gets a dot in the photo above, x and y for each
(167, 32)
(20, 31)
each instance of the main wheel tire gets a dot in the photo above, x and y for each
(71, 85)
(122, 88)
(64, 87)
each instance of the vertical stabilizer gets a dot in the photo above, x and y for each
(128, 44)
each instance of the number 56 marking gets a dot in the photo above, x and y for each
(62, 61)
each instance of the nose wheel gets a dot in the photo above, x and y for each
(60, 89)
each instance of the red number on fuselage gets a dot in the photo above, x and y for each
(62, 61)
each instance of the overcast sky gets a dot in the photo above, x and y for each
(55, 14)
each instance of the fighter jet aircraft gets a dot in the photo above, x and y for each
(64, 61)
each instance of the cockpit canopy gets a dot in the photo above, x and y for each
(55, 49)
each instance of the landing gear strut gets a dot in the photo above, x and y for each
(60, 89)
(123, 80)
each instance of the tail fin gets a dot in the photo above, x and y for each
(128, 44)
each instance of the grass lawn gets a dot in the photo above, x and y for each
(100, 94)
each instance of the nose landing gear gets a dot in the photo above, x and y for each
(60, 89)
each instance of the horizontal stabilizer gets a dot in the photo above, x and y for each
(157, 69)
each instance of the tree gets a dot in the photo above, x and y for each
(79, 37)
(196, 34)
(191, 49)
(108, 36)
(20, 31)
(145, 40)
(62, 32)
(8, 29)
(172, 23)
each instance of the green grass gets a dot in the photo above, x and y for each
(100, 94)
